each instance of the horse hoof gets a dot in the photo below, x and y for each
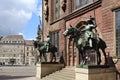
(105, 63)
(81, 63)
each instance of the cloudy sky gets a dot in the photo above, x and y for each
(20, 17)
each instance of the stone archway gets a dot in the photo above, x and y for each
(73, 57)
(72, 53)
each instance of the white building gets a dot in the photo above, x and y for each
(29, 55)
(12, 50)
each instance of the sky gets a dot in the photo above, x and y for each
(20, 17)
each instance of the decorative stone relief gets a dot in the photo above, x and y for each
(46, 10)
(63, 5)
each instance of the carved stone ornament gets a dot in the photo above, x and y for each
(46, 10)
(63, 5)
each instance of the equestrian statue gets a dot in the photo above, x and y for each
(86, 38)
(44, 47)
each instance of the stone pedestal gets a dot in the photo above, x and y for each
(96, 73)
(44, 69)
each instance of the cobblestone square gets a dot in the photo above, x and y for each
(17, 73)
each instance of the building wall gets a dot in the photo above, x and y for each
(29, 55)
(55, 25)
(102, 10)
(72, 19)
(14, 48)
(11, 50)
(109, 28)
(109, 24)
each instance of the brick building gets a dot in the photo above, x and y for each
(13, 48)
(59, 14)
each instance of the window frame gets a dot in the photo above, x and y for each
(80, 4)
(54, 39)
(117, 45)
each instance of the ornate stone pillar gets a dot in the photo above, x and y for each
(68, 51)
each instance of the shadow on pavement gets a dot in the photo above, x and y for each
(7, 77)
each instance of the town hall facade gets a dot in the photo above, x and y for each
(58, 15)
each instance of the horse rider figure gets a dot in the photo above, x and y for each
(89, 34)
(47, 44)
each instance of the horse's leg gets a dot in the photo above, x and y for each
(45, 56)
(82, 57)
(98, 57)
(51, 57)
(40, 56)
(54, 56)
(36, 59)
(105, 56)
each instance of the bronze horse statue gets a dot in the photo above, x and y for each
(42, 50)
(80, 36)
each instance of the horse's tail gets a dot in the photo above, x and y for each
(54, 48)
(102, 43)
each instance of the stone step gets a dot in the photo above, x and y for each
(64, 74)
(72, 75)
(59, 77)
(68, 69)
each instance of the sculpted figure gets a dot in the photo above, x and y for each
(46, 9)
(63, 5)
(47, 44)
(86, 39)
(89, 34)
(45, 47)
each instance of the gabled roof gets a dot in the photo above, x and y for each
(29, 42)
(13, 37)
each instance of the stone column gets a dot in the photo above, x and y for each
(68, 50)
(73, 53)
(78, 58)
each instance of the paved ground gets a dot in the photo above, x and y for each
(17, 73)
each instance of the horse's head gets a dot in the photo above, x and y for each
(69, 31)
(38, 43)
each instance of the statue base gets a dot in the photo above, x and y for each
(95, 72)
(46, 68)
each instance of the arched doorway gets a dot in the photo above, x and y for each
(71, 53)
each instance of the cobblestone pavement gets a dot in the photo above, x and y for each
(17, 73)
